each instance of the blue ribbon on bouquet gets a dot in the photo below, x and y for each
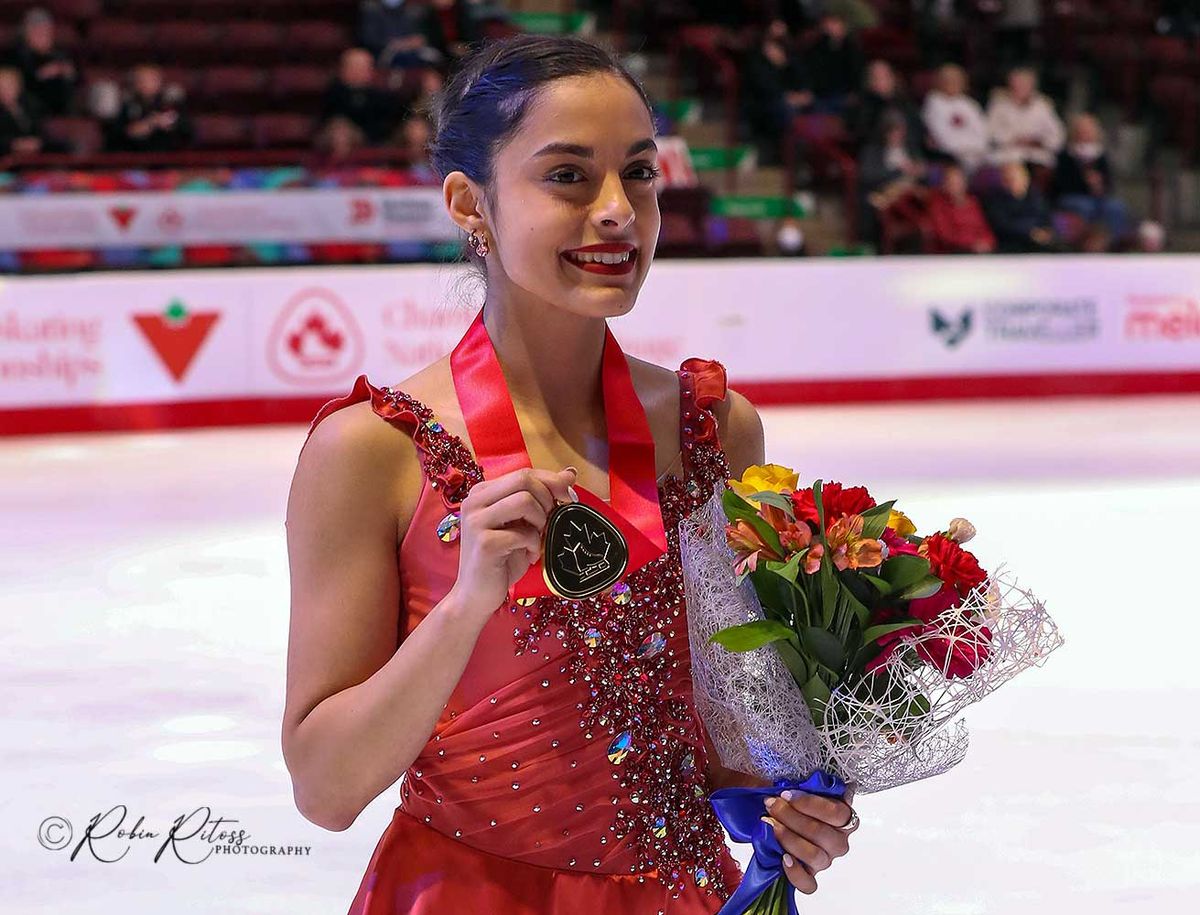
(740, 811)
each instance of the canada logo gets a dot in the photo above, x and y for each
(177, 334)
(315, 338)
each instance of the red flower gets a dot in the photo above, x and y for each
(928, 608)
(958, 654)
(952, 564)
(890, 642)
(896, 544)
(835, 500)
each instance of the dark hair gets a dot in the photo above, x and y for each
(484, 102)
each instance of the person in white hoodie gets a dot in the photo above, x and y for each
(954, 120)
(1022, 123)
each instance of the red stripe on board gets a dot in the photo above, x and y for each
(253, 411)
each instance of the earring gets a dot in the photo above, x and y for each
(478, 243)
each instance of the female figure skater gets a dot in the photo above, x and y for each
(552, 758)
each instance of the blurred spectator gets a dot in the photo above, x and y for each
(50, 73)
(413, 138)
(338, 137)
(1018, 213)
(1022, 123)
(890, 168)
(955, 121)
(401, 33)
(460, 25)
(151, 118)
(1082, 181)
(834, 63)
(20, 115)
(956, 221)
(775, 89)
(1019, 20)
(939, 28)
(882, 92)
(1179, 17)
(857, 14)
(353, 96)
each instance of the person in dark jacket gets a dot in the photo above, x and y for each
(353, 95)
(20, 115)
(1018, 214)
(1083, 182)
(882, 92)
(774, 88)
(835, 63)
(50, 73)
(152, 118)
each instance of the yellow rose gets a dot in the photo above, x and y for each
(764, 478)
(900, 523)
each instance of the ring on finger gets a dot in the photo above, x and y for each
(851, 824)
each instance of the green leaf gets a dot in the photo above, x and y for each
(790, 570)
(816, 694)
(904, 570)
(926, 587)
(855, 606)
(876, 632)
(736, 508)
(875, 520)
(882, 586)
(794, 661)
(816, 488)
(853, 581)
(779, 500)
(749, 636)
(824, 646)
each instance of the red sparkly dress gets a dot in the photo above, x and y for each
(567, 772)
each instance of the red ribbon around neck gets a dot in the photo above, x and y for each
(499, 446)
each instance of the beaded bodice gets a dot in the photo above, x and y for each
(571, 741)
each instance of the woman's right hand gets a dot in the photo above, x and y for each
(500, 532)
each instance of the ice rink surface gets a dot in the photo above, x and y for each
(144, 609)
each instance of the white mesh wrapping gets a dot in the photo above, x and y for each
(759, 720)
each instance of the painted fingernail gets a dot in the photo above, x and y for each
(787, 795)
(788, 860)
(572, 468)
(572, 493)
(769, 802)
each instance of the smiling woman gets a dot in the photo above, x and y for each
(551, 755)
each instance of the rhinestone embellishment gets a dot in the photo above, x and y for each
(448, 527)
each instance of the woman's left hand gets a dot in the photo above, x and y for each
(808, 826)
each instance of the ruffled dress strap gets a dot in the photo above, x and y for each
(445, 458)
(702, 383)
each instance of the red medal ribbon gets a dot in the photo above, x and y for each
(495, 434)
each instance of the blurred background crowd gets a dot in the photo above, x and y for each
(811, 126)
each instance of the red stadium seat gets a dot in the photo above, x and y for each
(185, 41)
(1177, 100)
(82, 135)
(283, 131)
(316, 41)
(254, 41)
(232, 89)
(221, 131)
(65, 11)
(298, 87)
(119, 42)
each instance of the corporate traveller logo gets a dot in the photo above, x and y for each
(1021, 321)
(952, 330)
(1171, 318)
(177, 334)
(189, 838)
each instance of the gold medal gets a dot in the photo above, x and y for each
(582, 551)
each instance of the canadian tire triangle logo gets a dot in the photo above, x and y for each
(122, 216)
(177, 334)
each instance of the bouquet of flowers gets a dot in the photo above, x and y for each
(833, 645)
